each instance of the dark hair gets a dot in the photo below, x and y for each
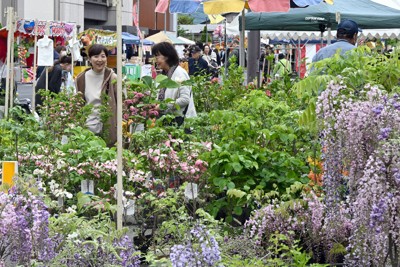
(200, 44)
(167, 50)
(281, 56)
(96, 49)
(62, 60)
(65, 60)
(60, 48)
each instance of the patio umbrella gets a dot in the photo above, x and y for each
(165, 37)
(229, 6)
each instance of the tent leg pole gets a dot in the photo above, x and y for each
(226, 52)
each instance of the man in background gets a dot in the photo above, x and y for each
(346, 36)
(234, 52)
(197, 65)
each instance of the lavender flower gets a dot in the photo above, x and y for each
(384, 133)
(377, 214)
(378, 109)
(200, 250)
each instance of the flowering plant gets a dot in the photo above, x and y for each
(360, 130)
(24, 228)
(200, 249)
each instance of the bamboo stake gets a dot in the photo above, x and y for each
(11, 69)
(10, 12)
(119, 116)
(34, 69)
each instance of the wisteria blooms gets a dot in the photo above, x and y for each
(24, 232)
(200, 249)
(360, 136)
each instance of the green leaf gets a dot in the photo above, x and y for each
(238, 210)
(235, 193)
(148, 81)
(231, 185)
(168, 83)
(237, 166)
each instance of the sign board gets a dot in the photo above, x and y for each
(9, 170)
(51, 28)
(95, 36)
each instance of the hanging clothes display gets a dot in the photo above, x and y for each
(45, 55)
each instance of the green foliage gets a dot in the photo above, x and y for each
(255, 147)
(204, 34)
(356, 69)
(184, 19)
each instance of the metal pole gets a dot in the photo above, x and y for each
(207, 34)
(119, 117)
(242, 40)
(226, 51)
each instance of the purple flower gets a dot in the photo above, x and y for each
(377, 214)
(378, 109)
(207, 254)
(384, 133)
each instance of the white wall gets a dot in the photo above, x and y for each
(38, 9)
(72, 11)
(127, 18)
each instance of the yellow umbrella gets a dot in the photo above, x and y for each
(214, 7)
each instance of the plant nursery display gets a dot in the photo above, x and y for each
(296, 173)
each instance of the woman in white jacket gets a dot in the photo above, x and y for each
(167, 60)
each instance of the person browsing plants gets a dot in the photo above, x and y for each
(55, 78)
(167, 60)
(346, 36)
(98, 89)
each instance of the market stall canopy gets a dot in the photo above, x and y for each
(309, 35)
(165, 37)
(187, 41)
(129, 38)
(368, 14)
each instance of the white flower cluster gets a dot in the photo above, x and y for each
(57, 191)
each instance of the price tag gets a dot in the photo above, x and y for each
(87, 187)
(64, 140)
(60, 201)
(130, 207)
(191, 191)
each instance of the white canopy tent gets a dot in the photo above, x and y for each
(309, 35)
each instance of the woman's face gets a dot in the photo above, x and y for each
(99, 62)
(162, 62)
(206, 50)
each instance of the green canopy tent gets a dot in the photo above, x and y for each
(368, 14)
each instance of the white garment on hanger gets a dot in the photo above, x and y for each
(75, 48)
(45, 52)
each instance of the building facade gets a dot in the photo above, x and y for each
(92, 13)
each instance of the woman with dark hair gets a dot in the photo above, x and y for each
(55, 78)
(167, 60)
(94, 83)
